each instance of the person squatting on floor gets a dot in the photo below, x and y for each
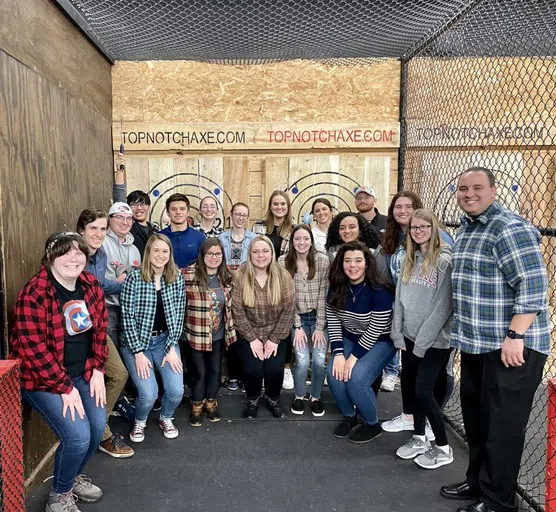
(263, 307)
(421, 328)
(309, 270)
(501, 326)
(59, 337)
(153, 307)
(359, 316)
(208, 327)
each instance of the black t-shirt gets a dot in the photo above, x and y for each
(78, 333)
(276, 240)
(159, 317)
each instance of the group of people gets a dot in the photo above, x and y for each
(117, 305)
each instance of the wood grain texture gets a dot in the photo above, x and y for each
(40, 36)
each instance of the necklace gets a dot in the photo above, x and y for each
(358, 292)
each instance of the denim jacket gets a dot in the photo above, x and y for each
(226, 239)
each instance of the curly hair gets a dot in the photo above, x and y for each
(368, 234)
(339, 282)
(391, 239)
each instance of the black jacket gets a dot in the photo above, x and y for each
(140, 236)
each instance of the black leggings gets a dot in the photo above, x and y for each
(235, 366)
(255, 370)
(206, 370)
(426, 371)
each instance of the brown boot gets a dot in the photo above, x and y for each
(211, 408)
(196, 418)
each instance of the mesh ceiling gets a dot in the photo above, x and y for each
(261, 30)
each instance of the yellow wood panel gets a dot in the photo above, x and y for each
(377, 176)
(275, 177)
(137, 173)
(236, 183)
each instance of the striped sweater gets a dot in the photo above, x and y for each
(364, 321)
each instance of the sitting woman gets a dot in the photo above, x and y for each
(153, 307)
(208, 224)
(352, 227)
(309, 270)
(59, 337)
(208, 326)
(263, 306)
(421, 326)
(359, 316)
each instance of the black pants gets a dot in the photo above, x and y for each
(496, 402)
(235, 366)
(255, 370)
(427, 370)
(206, 371)
(443, 386)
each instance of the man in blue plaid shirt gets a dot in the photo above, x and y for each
(501, 325)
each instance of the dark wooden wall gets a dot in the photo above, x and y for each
(55, 149)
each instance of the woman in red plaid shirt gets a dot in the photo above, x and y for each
(208, 326)
(59, 337)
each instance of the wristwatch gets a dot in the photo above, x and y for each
(514, 335)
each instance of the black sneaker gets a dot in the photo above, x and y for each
(365, 433)
(346, 426)
(275, 409)
(241, 386)
(317, 408)
(233, 385)
(251, 410)
(125, 409)
(297, 406)
(157, 405)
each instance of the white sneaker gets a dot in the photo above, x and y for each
(137, 434)
(434, 457)
(388, 382)
(397, 424)
(288, 379)
(412, 448)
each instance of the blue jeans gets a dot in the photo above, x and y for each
(393, 366)
(79, 439)
(303, 358)
(357, 392)
(148, 388)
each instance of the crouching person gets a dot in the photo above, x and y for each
(153, 306)
(59, 336)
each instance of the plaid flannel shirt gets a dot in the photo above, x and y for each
(263, 321)
(38, 335)
(138, 301)
(311, 294)
(259, 228)
(197, 327)
(498, 271)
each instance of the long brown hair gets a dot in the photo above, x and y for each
(201, 274)
(287, 223)
(391, 239)
(291, 257)
(170, 270)
(339, 282)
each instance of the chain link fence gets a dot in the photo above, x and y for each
(481, 92)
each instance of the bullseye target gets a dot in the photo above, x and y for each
(195, 187)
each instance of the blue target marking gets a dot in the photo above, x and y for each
(216, 191)
(452, 188)
(156, 193)
(295, 190)
(355, 189)
(514, 188)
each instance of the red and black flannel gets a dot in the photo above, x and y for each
(38, 335)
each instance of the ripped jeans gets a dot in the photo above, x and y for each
(303, 359)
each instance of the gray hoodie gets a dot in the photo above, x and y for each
(121, 257)
(423, 306)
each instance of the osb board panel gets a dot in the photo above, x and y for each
(40, 36)
(251, 179)
(481, 101)
(55, 159)
(293, 91)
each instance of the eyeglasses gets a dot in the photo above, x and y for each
(214, 254)
(417, 229)
(121, 218)
(209, 207)
(139, 205)
(240, 215)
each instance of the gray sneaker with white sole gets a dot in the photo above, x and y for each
(434, 457)
(412, 448)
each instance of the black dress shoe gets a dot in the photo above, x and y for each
(479, 506)
(461, 491)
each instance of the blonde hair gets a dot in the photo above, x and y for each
(170, 270)
(411, 247)
(274, 289)
(287, 224)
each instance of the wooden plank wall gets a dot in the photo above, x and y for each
(55, 152)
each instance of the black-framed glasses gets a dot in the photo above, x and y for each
(417, 229)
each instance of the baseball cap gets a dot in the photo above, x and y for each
(119, 207)
(366, 190)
